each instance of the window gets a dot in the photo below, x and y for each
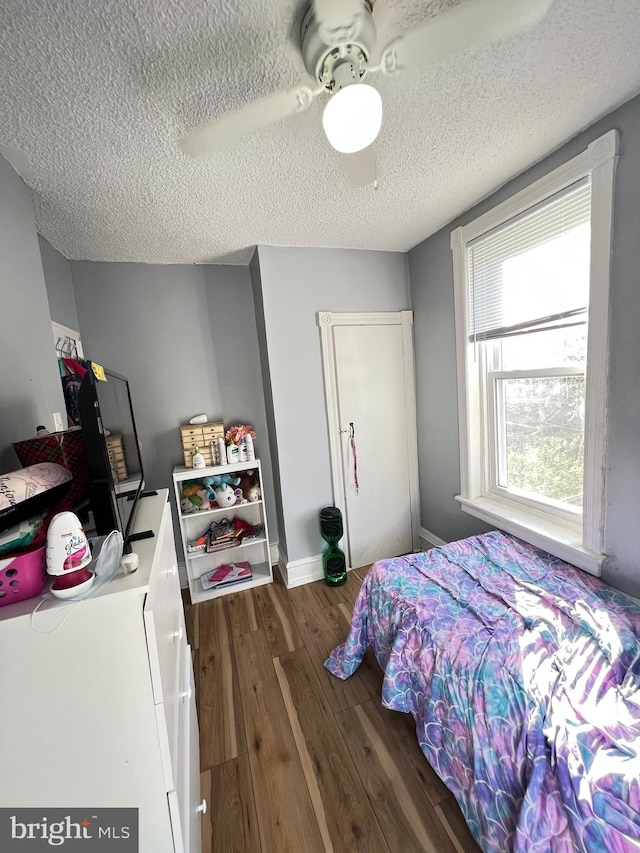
(531, 283)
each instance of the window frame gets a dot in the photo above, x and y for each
(578, 540)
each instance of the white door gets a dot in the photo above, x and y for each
(372, 418)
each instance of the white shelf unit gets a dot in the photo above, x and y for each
(194, 525)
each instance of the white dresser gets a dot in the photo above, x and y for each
(101, 712)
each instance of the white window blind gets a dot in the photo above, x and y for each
(532, 272)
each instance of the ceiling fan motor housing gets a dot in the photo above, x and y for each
(338, 57)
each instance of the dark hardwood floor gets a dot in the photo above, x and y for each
(294, 759)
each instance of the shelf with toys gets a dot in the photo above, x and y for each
(223, 525)
(216, 510)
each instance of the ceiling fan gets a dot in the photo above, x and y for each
(339, 46)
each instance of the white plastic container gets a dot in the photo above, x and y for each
(222, 452)
(197, 460)
(251, 453)
(233, 454)
(68, 556)
(243, 451)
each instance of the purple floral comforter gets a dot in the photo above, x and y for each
(523, 676)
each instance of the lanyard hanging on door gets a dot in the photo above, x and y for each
(354, 453)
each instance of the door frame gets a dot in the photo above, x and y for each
(327, 321)
(67, 341)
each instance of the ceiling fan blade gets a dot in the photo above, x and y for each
(361, 167)
(340, 21)
(471, 24)
(230, 127)
(382, 16)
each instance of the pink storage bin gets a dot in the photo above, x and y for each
(22, 576)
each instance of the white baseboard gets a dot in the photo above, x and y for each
(431, 540)
(298, 572)
(281, 563)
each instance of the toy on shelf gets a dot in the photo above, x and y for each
(250, 485)
(216, 481)
(187, 507)
(210, 492)
(225, 495)
(195, 497)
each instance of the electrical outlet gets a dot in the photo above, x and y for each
(57, 422)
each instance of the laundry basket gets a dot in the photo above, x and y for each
(22, 575)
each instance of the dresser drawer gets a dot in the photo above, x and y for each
(195, 807)
(164, 620)
(166, 641)
(184, 800)
(182, 781)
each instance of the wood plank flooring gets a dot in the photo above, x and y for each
(293, 759)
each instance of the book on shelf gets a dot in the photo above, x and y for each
(228, 573)
(221, 543)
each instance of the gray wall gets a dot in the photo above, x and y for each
(235, 340)
(296, 284)
(30, 389)
(431, 276)
(151, 323)
(57, 276)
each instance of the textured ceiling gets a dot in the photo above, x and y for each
(95, 94)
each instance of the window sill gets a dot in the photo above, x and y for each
(562, 539)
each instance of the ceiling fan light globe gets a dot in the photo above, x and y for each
(352, 118)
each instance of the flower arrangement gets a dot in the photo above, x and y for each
(238, 432)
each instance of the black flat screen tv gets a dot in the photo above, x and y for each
(113, 452)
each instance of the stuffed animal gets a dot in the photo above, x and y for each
(250, 486)
(190, 487)
(215, 481)
(201, 494)
(199, 500)
(254, 494)
(188, 507)
(226, 496)
(219, 479)
(196, 494)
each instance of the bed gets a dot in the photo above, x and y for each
(523, 676)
